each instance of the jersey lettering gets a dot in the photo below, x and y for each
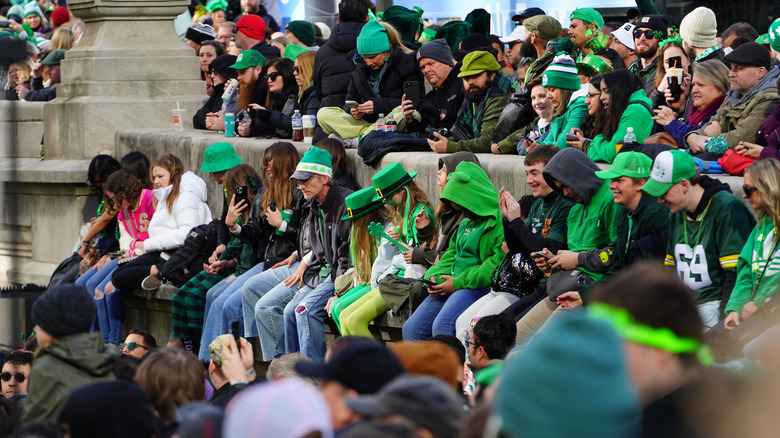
(692, 266)
(143, 220)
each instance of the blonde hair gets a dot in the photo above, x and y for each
(25, 70)
(395, 39)
(305, 62)
(766, 177)
(363, 246)
(62, 38)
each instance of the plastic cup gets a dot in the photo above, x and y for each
(230, 124)
(286, 216)
(309, 123)
(178, 119)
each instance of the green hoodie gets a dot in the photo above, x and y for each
(571, 118)
(637, 115)
(475, 248)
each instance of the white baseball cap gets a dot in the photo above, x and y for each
(517, 35)
(625, 34)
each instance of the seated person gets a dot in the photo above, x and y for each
(220, 73)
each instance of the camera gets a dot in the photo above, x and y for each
(430, 132)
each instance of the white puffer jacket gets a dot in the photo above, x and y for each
(168, 229)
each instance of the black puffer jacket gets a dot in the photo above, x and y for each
(333, 64)
(401, 67)
(446, 100)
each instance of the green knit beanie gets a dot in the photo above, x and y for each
(373, 39)
(303, 30)
(588, 15)
(774, 35)
(562, 73)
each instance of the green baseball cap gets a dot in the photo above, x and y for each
(248, 58)
(669, 168)
(588, 15)
(477, 62)
(630, 164)
(220, 157)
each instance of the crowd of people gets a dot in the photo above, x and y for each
(633, 300)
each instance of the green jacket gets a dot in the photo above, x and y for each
(475, 248)
(484, 116)
(637, 115)
(560, 126)
(752, 260)
(64, 365)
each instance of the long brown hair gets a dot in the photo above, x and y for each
(174, 166)
(246, 175)
(280, 188)
(171, 378)
(363, 246)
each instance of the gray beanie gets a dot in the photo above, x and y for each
(699, 28)
(63, 310)
(438, 50)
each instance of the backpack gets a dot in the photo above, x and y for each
(188, 260)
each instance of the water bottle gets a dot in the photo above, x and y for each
(297, 126)
(380, 123)
(230, 124)
(390, 124)
(630, 137)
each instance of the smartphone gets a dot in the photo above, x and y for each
(675, 62)
(541, 254)
(272, 204)
(241, 194)
(428, 282)
(236, 335)
(412, 91)
(352, 103)
(571, 137)
(520, 136)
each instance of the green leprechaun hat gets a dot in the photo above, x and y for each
(362, 202)
(388, 180)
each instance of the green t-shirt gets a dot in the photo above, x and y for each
(751, 264)
(548, 218)
(704, 248)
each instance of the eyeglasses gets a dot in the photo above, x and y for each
(132, 346)
(272, 76)
(19, 377)
(469, 343)
(237, 28)
(649, 34)
(748, 190)
(592, 95)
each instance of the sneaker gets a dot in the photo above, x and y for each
(151, 283)
(336, 136)
(351, 143)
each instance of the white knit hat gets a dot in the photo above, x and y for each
(699, 28)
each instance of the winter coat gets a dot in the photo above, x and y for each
(474, 250)
(740, 116)
(268, 51)
(443, 101)
(333, 64)
(757, 250)
(328, 234)
(637, 115)
(399, 68)
(308, 103)
(496, 99)
(247, 253)
(64, 365)
(572, 118)
(280, 116)
(213, 104)
(168, 229)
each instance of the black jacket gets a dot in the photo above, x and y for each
(446, 99)
(40, 93)
(399, 68)
(270, 52)
(280, 116)
(309, 102)
(333, 64)
(212, 105)
(333, 247)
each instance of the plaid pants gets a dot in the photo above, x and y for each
(188, 303)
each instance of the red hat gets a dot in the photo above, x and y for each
(60, 15)
(252, 26)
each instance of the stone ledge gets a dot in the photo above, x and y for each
(33, 170)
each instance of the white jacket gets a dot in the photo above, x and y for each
(168, 229)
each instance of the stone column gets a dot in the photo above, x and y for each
(129, 71)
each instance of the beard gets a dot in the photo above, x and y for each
(245, 94)
(527, 50)
(475, 94)
(648, 53)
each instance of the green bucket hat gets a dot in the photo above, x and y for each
(454, 32)
(291, 51)
(477, 62)
(361, 203)
(630, 164)
(593, 65)
(588, 15)
(315, 161)
(406, 21)
(562, 73)
(303, 30)
(774, 35)
(388, 180)
(669, 168)
(248, 58)
(480, 21)
(373, 39)
(220, 157)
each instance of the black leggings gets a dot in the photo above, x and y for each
(129, 276)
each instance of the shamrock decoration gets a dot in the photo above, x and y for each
(378, 230)
(658, 35)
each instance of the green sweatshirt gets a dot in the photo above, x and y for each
(750, 266)
(637, 115)
(560, 126)
(475, 247)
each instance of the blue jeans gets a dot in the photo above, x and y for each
(304, 321)
(267, 296)
(110, 315)
(216, 299)
(437, 316)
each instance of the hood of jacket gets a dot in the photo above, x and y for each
(85, 352)
(710, 186)
(452, 160)
(190, 183)
(735, 98)
(575, 170)
(470, 187)
(343, 37)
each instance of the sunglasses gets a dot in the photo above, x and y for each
(296, 69)
(748, 190)
(133, 345)
(649, 34)
(237, 28)
(273, 76)
(267, 159)
(6, 376)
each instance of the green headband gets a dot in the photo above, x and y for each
(676, 39)
(662, 338)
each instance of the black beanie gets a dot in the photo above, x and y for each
(220, 65)
(63, 310)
